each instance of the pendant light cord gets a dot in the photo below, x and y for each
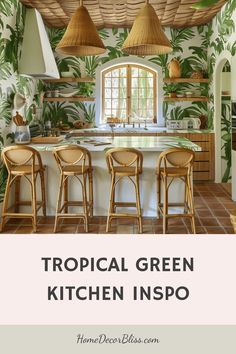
(81, 2)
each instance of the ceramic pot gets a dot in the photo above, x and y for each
(203, 120)
(174, 68)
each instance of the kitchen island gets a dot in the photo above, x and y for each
(151, 148)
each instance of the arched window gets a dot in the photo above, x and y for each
(129, 94)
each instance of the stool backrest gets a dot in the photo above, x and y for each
(124, 157)
(20, 155)
(72, 155)
(176, 157)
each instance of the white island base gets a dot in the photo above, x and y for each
(150, 147)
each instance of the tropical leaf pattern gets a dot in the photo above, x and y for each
(12, 16)
(195, 48)
(219, 36)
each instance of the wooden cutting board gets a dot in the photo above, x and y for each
(47, 139)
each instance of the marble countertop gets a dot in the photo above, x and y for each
(143, 143)
(149, 129)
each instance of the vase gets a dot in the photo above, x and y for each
(174, 69)
(22, 134)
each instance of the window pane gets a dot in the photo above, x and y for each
(150, 82)
(149, 93)
(107, 113)
(123, 72)
(123, 82)
(134, 104)
(134, 82)
(142, 73)
(115, 104)
(123, 114)
(115, 73)
(134, 93)
(123, 92)
(149, 104)
(107, 104)
(150, 114)
(122, 104)
(115, 82)
(107, 82)
(115, 93)
(107, 93)
(142, 82)
(143, 93)
(134, 72)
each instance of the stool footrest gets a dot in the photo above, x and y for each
(18, 215)
(64, 215)
(172, 204)
(71, 203)
(26, 202)
(116, 215)
(124, 204)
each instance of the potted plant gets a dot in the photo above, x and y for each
(85, 89)
(171, 90)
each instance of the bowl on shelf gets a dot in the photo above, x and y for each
(189, 94)
(68, 92)
(66, 74)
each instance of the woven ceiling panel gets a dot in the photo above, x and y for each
(121, 13)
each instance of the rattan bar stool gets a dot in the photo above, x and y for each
(124, 162)
(233, 219)
(175, 163)
(23, 161)
(74, 161)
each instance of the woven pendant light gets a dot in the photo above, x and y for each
(81, 37)
(146, 36)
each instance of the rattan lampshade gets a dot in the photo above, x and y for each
(81, 37)
(146, 36)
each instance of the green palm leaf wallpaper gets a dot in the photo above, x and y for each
(189, 46)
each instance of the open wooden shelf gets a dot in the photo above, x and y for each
(70, 99)
(70, 79)
(187, 80)
(183, 99)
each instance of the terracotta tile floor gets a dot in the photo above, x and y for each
(212, 204)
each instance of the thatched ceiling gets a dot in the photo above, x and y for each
(121, 13)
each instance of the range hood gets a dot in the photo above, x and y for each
(37, 57)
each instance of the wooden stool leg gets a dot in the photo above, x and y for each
(34, 204)
(85, 202)
(42, 181)
(90, 177)
(158, 195)
(165, 206)
(113, 199)
(66, 193)
(5, 202)
(110, 202)
(190, 191)
(138, 206)
(17, 194)
(186, 197)
(58, 207)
